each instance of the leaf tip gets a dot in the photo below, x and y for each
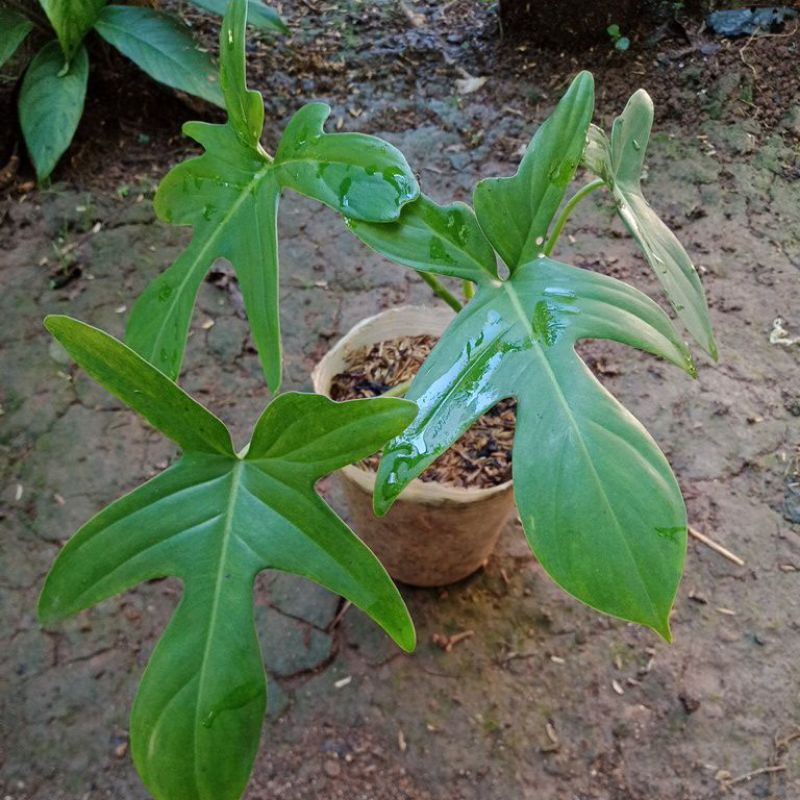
(662, 628)
(406, 637)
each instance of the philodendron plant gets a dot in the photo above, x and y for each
(599, 504)
(598, 501)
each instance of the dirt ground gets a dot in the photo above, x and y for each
(543, 699)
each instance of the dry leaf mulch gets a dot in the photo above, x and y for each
(479, 459)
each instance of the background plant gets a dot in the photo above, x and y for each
(599, 504)
(54, 82)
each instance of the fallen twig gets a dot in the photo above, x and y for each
(723, 551)
(748, 776)
(447, 643)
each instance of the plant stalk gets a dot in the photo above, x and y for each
(440, 290)
(399, 390)
(469, 290)
(567, 212)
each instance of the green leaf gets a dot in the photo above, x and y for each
(71, 20)
(230, 197)
(245, 108)
(360, 176)
(14, 29)
(51, 103)
(258, 14)
(215, 521)
(161, 46)
(433, 238)
(142, 387)
(619, 163)
(598, 502)
(516, 212)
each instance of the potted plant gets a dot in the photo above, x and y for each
(599, 504)
(597, 498)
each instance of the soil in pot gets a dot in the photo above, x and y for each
(481, 458)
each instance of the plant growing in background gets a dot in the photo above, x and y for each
(54, 82)
(619, 41)
(599, 504)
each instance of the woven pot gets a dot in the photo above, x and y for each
(434, 534)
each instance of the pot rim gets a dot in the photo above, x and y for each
(430, 320)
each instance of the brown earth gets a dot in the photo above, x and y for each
(544, 699)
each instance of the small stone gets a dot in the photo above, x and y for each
(689, 702)
(332, 769)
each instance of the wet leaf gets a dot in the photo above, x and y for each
(516, 212)
(162, 47)
(619, 163)
(230, 196)
(71, 20)
(433, 238)
(215, 520)
(51, 103)
(600, 506)
(15, 29)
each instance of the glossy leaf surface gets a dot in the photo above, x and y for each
(215, 520)
(13, 30)
(598, 501)
(433, 238)
(619, 163)
(71, 20)
(162, 47)
(230, 195)
(516, 212)
(259, 15)
(51, 103)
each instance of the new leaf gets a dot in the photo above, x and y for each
(215, 520)
(230, 197)
(619, 163)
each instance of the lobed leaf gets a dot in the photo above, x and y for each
(258, 14)
(446, 240)
(598, 502)
(162, 47)
(516, 212)
(15, 28)
(619, 163)
(215, 521)
(360, 176)
(141, 386)
(51, 103)
(230, 197)
(71, 20)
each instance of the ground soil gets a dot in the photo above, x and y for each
(545, 699)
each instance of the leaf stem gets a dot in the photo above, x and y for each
(568, 209)
(440, 290)
(469, 290)
(399, 390)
